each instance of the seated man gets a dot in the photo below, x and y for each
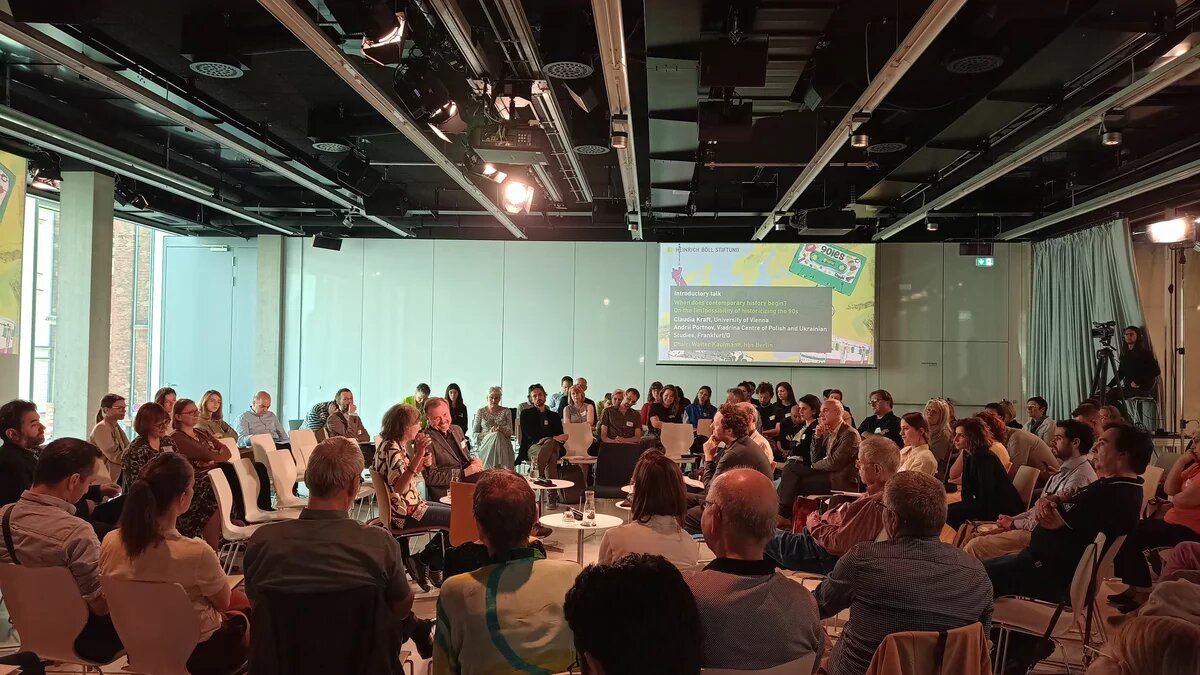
(260, 420)
(755, 435)
(1072, 442)
(752, 616)
(731, 428)
(452, 460)
(542, 436)
(417, 400)
(911, 582)
(41, 530)
(318, 415)
(324, 550)
(884, 421)
(621, 423)
(827, 536)
(834, 451)
(654, 629)
(344, 420)
(507, 616)
(1066, 525)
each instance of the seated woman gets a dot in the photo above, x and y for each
(166, 397)
(987, 491)
(212, 419)
(939, 416)
(493, 431)
(915, 455)
(656, 523)
(401, 431)
(701, 408)
(1152, 645)
(148, 547)
(578, 410)
(1138, 369)
(205, 453)
(667, 412)
(108, 435)
(653, 396)
(799, 428)
(153, 428)
(997, 432)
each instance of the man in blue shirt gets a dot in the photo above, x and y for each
(260, 420)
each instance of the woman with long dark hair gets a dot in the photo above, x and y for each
(652, 398)
(1137, 370)
(659, 504)
(109, 436)
(166, 397)
(987, 491)
(205, 453)
(149, 547)
(458, 409)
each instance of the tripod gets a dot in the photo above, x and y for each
(1106, 363)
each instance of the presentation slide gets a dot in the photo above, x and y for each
(779, 304)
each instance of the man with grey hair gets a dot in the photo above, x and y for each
(324, 551)
(834, 452)
(827, 536)
(761, 441)
(753, 617)
(911, 582)
(260, 420)
(452, 459)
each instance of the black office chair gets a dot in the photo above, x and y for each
(614, 468)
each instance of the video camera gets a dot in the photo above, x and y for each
(1104, 331)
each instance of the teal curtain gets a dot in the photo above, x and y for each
(1077, 279)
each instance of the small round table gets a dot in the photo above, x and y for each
(540, 490)
(445, 500)
(603, 522)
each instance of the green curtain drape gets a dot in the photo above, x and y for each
(1077, 279)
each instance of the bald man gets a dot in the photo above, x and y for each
(260, 420)
(753, 617)
(834, 453)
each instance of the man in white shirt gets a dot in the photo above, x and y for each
(260, 420)
(1072, 442)
(1039, 422)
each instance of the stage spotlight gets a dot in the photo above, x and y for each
(428, 101)
(620, 140)
(490, 172)
(516, 196)
(45, 171)
(1170, 231)
(930, 225)
(1111, 138)
(781, 222)
(860, 141)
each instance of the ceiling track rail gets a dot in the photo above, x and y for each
(610, 33)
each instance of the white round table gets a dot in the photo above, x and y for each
(603, 522)
(540, 490)
(445, 500)
(627, 489)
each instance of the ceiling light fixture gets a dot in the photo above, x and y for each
(516, 196)
(931, 225)
(860, 141)
(781, 221)
(45, 171)
(1169, 231)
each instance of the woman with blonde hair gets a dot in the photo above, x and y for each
(211, 418)
(939, 415)
(1150, 645)
(493, 431)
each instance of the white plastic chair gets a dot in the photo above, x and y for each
(801, 666)
(1151, 478)
(1025, 480)
(156, 622)
(283, 476)
(48, 612)
(303, 441)
(261, 444)
(579, 439)
(704, 427)
(677, 439)
(234, 536)
(248, 483)
(234, 450)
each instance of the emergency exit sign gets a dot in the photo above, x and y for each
(985, 261)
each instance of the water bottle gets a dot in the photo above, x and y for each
(589, 508)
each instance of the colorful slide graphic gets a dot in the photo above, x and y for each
(789, 304)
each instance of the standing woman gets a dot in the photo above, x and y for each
(205, 452)
(150, 546)
(212, 419)
(987, 491)
(109, 436)
(493, 431)
(165, 397)
(652, 398)
(458, 409)
(578, 410)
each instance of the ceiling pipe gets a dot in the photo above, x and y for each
(1149, 84)
(302, 26)
(610, 33)
(1107, 199)
(114, 82)
(928, 27)
(66, 142)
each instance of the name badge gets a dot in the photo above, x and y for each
(878, 430)
(463, 444)
(545, 423)
(629, 424)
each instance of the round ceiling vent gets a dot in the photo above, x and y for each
(884, 148)
(567, 70)
(216, 69)
(330, 146)
(975, 64)
(591, 149)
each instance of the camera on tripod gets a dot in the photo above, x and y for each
(1104, 331)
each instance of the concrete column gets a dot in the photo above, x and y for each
(268, 348)
(83, 300)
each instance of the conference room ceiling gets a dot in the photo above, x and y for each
(728, 101)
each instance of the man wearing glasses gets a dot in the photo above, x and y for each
(884, 422)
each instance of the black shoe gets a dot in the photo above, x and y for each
(541, 531)
(416, 570)
(422, 637)
(1121, 598)
(434, 576)
(552, 501)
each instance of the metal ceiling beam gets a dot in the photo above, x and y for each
(1148, 85)
(1107, 199)
(610, 34)
(927, 28)
(309, 33)
(65, 142)
(126, 88)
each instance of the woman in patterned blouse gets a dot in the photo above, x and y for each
(493, 430)
(400, 432)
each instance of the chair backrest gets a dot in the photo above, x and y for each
(1151, 478)
(224, 495)
(801, 666)
(231, 443)
(383, 499)
(1105, 569)
(704, 427)
(156, 622)
(1085, 571)
(463, 527)
(248, 483)
(920, 655)
(677, 438)
(304, 441)
(579, 438)
(261, 444)
(282, 469)
(46, 609)
(1024, 480)
(615, 462)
